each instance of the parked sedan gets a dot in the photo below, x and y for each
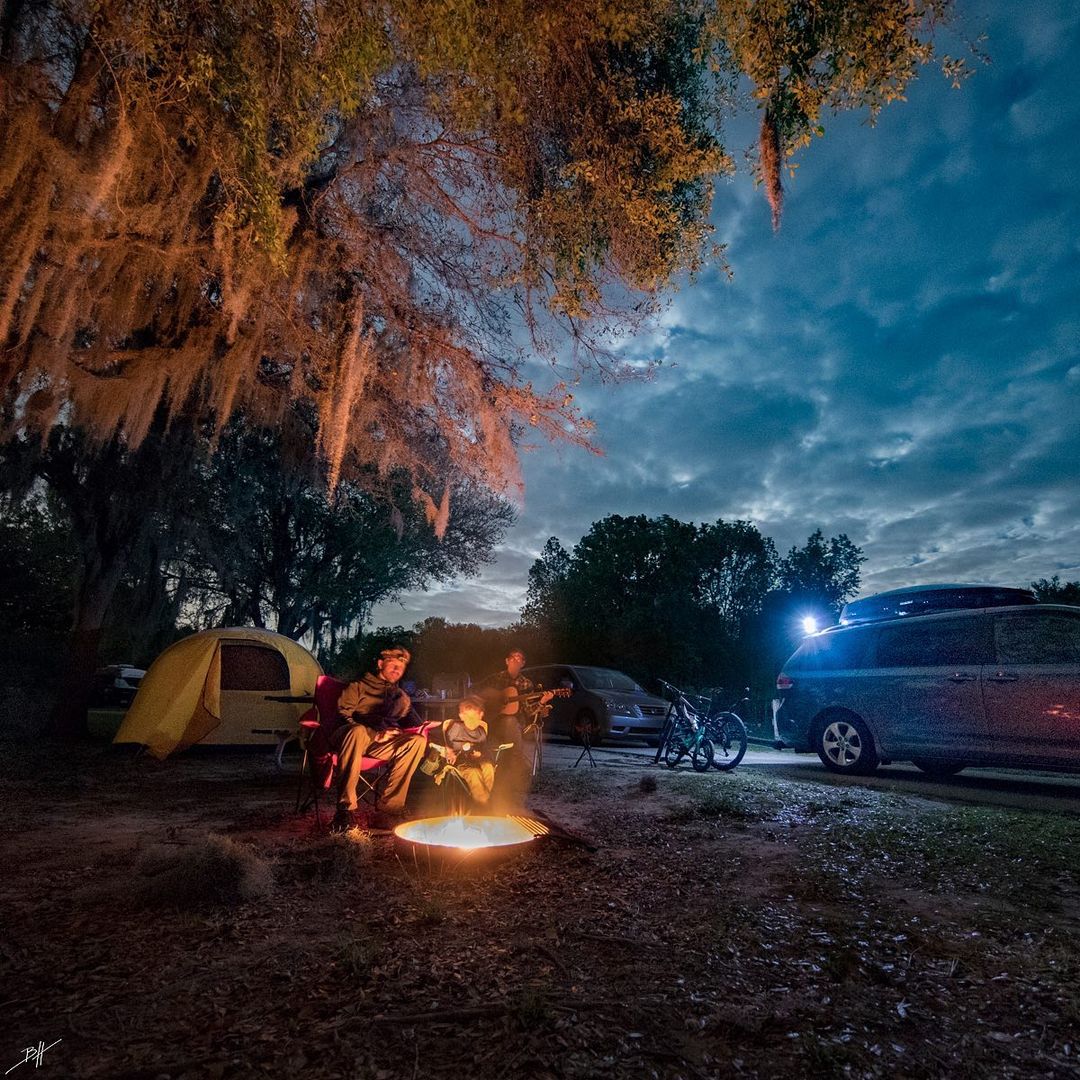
(604, 703)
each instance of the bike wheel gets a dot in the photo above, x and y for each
(729, 741)
(703, 755)
(674, 752)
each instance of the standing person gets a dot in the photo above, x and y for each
(371, 711)
(518, 721)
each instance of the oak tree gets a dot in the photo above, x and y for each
(386, 210)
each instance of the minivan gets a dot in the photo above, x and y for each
(989, 686)
(604, 704)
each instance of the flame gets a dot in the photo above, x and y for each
(464, 833)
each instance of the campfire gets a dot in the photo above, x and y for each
(466, 833)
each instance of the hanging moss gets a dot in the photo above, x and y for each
(366, 199)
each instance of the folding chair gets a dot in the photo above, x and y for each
(457, 795)
(318, 764)
(319, 761)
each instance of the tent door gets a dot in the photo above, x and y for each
(249, 672)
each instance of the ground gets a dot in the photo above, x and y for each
(726, 925)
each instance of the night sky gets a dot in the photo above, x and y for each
(900, 363)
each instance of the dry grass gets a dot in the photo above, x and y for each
(213, 872)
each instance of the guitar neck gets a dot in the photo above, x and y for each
(538, 694)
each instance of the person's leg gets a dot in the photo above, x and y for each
(353, 741)
(487, 780)
(478, 779)
(404, 752)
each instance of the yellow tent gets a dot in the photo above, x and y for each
(211, 688)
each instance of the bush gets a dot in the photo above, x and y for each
(215, 872)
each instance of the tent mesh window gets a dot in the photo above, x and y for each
(251, 667)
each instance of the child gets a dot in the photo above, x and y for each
(465, 737)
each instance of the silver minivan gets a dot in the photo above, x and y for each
(995, 686)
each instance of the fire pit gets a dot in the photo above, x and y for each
(452, 840)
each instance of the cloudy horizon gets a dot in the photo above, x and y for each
(898, 363)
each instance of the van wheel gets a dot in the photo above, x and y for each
(938, 768)
(845, 745)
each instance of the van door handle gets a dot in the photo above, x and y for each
(1003, 676)
(960, 676)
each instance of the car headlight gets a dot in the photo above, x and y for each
(621, 708)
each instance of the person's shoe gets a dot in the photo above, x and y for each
(343, 820)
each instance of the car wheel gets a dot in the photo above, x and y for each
(703, 756)
(585, 723)
(845, 745)
(653, 743)
(938, 768)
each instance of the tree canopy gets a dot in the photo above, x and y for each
(264, 546)
(377, 212)
(1055, 591)
(700, 604)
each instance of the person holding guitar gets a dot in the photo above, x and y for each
(521, 714)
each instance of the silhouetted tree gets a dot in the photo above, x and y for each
(118, 499)
(822, 574)
(703, 604)
(269, 547)
(1055, 591)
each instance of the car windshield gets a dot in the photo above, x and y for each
(598, 678)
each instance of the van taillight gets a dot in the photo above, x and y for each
(784, 681)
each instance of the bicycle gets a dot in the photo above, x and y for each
(684, 734)
(726, 730)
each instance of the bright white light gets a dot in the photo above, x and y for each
(809, 624)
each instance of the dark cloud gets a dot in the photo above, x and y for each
(899, 363)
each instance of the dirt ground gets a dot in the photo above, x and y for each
(725, 925)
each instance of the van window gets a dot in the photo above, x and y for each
(541, 676)
(253, 667)
(935, 643)
(1045, 637)
(598, 678)
(832, 652)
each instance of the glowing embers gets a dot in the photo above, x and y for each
(465, 833)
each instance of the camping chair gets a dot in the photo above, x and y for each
(456, 794)
(319, 762)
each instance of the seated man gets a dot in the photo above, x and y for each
(373, 709)
(465, 737)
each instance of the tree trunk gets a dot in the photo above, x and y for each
(95, 592)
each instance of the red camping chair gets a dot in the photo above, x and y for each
(319, 762)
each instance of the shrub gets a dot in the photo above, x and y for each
(214, 872)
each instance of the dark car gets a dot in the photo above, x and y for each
(605, 703)
(986, 686)
(115, 685)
